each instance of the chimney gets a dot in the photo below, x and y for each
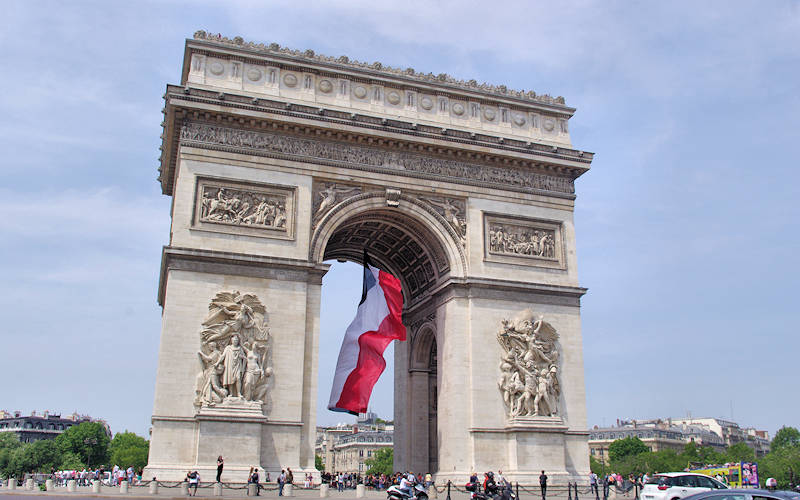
(46, 414)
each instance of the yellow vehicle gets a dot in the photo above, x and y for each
(735, 475)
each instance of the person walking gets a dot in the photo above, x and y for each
(543, 484)
(255, 480)
(593, 483)
(220, 464)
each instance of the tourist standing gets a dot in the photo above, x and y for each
(543, 484)
(255, 480)
(220, 464)
(593, 483)
(281, 482)
(289, 476)
(194, 478)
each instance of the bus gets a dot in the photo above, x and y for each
(735, 475)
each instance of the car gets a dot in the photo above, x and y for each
(745, 494)
(677, 485)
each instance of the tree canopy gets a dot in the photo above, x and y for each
(88, 441)
(786, 437)
(382, 462)
(623, 448)
(129, 450)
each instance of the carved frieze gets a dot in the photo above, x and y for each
(373, 159)
(234, 354)
(453, 210)
(533, 242)
(529, 366)
(244, 208)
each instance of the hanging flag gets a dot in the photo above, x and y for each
(377, 322)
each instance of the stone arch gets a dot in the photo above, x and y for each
(407, 238)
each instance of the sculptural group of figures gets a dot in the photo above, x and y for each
(235, 345)
(539, 243)
(239, 207)
(529, 366)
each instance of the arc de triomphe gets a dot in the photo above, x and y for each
(278, 160)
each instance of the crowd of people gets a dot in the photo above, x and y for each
(84, 477)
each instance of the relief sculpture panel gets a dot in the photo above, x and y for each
(529, 366)
(255, 209)
(454, 211)
(533, 242)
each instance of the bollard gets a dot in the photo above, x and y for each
(30, 484)
(360, 491)
(48, 485)
(517, 490)
(96, 486)
(153, 489)
(576, 491)
(448, 490)
(288, 490)
(251, 489)
(123, 487)
(185, 488)
(217, 489)
(71, 485)
(569, 491)
(432, 493)
(12, 483)
(323, 491)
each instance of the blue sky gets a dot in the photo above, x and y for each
(687, 223)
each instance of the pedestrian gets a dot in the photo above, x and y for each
(281, 482)
(255, 480)
(289, 476)
(593, 483)
(543, 484)
(194, 478)
(220, 464)
(428, 480)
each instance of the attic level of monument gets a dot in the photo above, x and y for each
(376, 71)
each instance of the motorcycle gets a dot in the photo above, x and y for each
(418, 493)
(494, 492)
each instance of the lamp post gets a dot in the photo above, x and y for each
(89, 442)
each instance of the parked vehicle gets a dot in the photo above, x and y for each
(745, 494)
(677, 485)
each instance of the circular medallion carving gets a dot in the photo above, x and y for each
(290, 80)
(325, 86)
(489, 113)
(360, 92)
(216, 68)
(253, 74)
(549, 124)
(426, 102)
(458, 109)
(393, 97)
(519, 119)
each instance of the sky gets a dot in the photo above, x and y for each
(687, 222)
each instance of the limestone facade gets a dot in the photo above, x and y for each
(277, 161)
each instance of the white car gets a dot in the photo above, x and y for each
(676, 485)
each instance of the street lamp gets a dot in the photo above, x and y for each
(89, 442)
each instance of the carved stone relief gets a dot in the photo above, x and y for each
(329, 194)
(516, 240)
(529, 366)
(454, 212)
(234, 354)
(257, 209)
(373, 159)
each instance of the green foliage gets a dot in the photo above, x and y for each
(42, 456)
(786, 437)
(783, 464)
(382, 462)
(690, 451)
(628, 447)
(88, 441)
(71, 461)
(740, 452)
(318, 463)
(595, 465)
(9, 440)
(129, 450)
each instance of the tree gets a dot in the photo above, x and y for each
(622, 448)
(42, 456)
(9, 440)
(786, 437)
(71, 461)
(129, 450)
(88, 441)
(740, 452)
(318, 463)
(382, 462)
(595, 465)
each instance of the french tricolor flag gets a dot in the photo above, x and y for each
(377, 322)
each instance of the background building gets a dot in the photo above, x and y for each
(674, 433)
(346, 447)
(33, 427)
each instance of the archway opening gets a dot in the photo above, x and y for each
(407, 392)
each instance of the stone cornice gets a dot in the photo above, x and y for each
(377, 69)
(189, 102)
